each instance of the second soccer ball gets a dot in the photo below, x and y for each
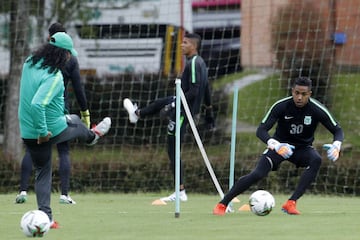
(35, 223)
(261, 202)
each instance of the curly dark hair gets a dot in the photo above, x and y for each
(303, 81)
(51, 57)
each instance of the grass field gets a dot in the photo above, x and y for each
(131, 216)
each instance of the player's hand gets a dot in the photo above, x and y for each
(42, 139)
(333, 150)
(85, 118)
(167, 111)
(209, 118)
(283, 149)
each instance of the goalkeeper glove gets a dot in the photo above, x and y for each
(209, 118)
(283, 149)
(333, 150)
(85, 118)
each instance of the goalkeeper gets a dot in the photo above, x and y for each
(297, 118)
(71, 73)
(194, 83)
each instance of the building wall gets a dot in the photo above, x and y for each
(348, 21)
(338, 16)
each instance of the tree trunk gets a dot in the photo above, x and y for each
(19, 49)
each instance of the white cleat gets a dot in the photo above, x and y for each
(101, 129)
(131, 108)
(21, 197)
(182, 195)
(66, 200)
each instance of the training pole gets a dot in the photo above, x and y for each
(177, 149)
(233, 138)
(200, 145)
(233, 141)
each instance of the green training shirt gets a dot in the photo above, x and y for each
(41, 104)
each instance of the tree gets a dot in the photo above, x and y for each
(19, 16)
(45, 11)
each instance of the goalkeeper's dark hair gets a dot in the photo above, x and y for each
(196, 37)
(303, 81)
(49, 56)
(56, 27)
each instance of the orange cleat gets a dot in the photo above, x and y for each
(219, 209)
(54, 225)
(290, 207)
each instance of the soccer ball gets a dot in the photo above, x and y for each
(261, 202)
(35, 223)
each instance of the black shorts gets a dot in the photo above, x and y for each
(301, 157)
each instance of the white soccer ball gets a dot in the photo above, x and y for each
(261, 202)
(35, 223)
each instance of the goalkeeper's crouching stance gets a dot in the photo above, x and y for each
(297, 117)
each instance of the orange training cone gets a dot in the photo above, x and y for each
(245, 207)
(158, 202)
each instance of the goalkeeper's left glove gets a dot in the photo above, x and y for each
(85, 118)
(333, 150)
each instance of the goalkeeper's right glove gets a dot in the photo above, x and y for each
(333, 150)
(283, 149)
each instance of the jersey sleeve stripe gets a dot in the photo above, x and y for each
(322, 107)
(193, 71)
(269, 111)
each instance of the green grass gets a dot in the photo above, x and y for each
(221, 82)
(131, 216)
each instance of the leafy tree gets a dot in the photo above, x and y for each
(20, 12)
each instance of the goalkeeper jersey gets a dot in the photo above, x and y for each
(41, 104)
(295, 125)
(194, 83)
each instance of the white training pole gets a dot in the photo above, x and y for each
(233, 141)
(233, 138)
(200, 145)
(177, 148)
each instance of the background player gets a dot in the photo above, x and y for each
(195, 85)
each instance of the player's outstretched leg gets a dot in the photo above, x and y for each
(101, 129)
(131, 108)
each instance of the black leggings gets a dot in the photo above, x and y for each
(154, 108)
